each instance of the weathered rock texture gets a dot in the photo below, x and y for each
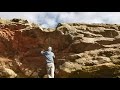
(82, 50)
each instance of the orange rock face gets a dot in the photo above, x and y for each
(82, 50)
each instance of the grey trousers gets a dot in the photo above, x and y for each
(50, 70)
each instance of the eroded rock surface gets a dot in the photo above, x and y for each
(82, 50)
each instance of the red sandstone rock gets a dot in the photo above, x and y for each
(82, 50)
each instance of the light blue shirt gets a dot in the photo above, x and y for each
(49, 56)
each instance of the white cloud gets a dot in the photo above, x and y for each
(50, 19)
(31, 16)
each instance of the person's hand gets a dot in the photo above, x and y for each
(41, 51)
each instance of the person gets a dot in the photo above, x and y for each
(49, 61)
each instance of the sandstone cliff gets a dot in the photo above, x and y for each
(82, 50)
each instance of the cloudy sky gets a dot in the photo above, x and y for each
(51, 19)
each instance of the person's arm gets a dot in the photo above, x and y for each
(55, 62)
(42, 52)
(53, 55)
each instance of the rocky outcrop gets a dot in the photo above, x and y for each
(5, 68)
(82, 50)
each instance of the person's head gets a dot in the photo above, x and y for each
(49, 48)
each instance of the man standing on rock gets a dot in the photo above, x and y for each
(50, 62)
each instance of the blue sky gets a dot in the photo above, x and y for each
(51, 19)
